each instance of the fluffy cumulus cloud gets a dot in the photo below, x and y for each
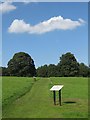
(55, 23)
(6, 7)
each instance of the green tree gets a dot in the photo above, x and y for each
(48, 71)
(4, 71)
(68, 65)
(42, 71)
(52, 71)
(21, 65)
(83, 70)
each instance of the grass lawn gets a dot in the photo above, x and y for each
(0, 98)
(14, 87)
(24, 98)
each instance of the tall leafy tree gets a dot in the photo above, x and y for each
(21, 65)
(68, 65)
(83, 70)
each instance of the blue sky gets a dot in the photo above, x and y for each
(46, 47)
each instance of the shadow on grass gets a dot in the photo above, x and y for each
(70, 102)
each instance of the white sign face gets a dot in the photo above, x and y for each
(56, 87)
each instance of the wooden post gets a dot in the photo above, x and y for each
(54, 96)
(60, 97)
(54, 89)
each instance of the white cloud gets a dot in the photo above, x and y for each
(6, 7)
(23, 1)
(55, 23)
(19, 26)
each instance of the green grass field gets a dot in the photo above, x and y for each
(25, 98)
(0, 97)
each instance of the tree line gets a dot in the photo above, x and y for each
(23, 65)
(67, 66)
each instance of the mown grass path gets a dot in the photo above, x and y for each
(38, 102)
(33, 104)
